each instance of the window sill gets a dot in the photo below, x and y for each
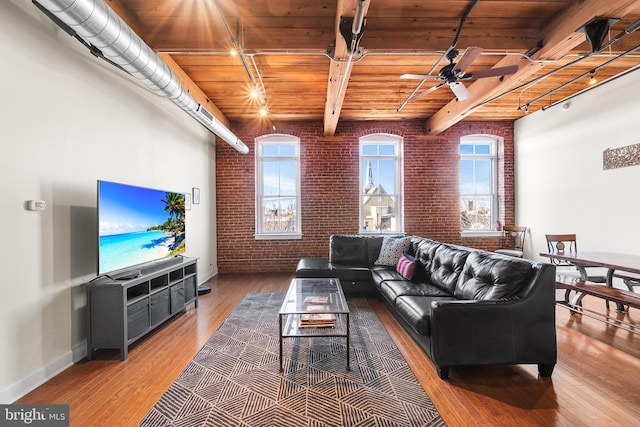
(292, 236)
(383, 233)
(481, 233)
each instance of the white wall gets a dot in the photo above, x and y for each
(561, 186)
(68, 119)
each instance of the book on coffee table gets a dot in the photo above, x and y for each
(317, 320)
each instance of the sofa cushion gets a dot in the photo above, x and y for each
(448, 262)
(488, 276)
(393, 289)
(423, 251)
(406, 266)
(416, 311)
(345, 249)
(381, 274)
(392, 249)
(358, 250)
(351, 273)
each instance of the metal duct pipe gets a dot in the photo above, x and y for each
(99, 25)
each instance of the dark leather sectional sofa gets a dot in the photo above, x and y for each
(462, 306)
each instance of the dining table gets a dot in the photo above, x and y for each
(624, 266)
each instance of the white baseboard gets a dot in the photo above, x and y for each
(41, 375)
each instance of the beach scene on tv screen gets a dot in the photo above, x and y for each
(138, 225)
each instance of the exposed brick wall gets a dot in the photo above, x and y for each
(330, 189)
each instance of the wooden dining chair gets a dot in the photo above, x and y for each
(512, 241)
(568, 244)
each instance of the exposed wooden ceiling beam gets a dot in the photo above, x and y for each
(193, 89)
(558, 38)
(339, 69)
(128, 17)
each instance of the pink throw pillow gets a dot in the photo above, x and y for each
(406, 266)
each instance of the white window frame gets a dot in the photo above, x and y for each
(493, 196)
(397, 142)
(261, 142)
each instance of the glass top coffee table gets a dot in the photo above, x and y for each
(314, 308)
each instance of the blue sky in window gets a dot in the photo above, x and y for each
(383, 170)
(279, 178)
(482, 182)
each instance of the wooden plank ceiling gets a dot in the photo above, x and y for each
(293, 51)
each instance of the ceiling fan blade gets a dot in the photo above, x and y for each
(426, 92)
(419, 77)
(467, 59)
(492, 72)
(459, 90)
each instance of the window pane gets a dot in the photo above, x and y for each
(379, 213)
(287, 150)
(270, 178)
(279, 214)
(483, 176)
(467, 185)
(475, 213)
(369, 149)
(483, 149)
(379, 176)
(278, 177)
(369, 170)
(466, 149)
(269, 150)
(387, 150)
(287, 178)
(387, 176)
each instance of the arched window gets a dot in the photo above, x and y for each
(478, 183)
(278, 187)
(381, 184)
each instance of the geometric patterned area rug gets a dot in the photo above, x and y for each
(234, 380)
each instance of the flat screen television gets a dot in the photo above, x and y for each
(137, 225)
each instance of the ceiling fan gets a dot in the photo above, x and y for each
(453, 73)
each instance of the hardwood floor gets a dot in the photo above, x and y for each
(594, 384)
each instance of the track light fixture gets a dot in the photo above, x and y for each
(257, 91)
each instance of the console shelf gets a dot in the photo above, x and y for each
(122, 311)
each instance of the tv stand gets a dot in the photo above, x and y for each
(123, 309)
(129, 276)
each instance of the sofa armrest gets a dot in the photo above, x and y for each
(313, 267)
(497, 331)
